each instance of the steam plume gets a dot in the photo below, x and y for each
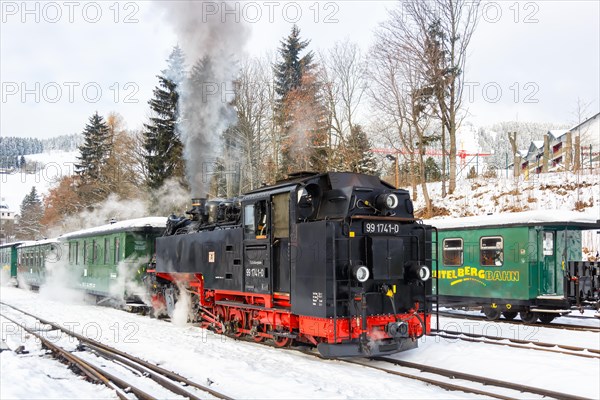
(213, 39)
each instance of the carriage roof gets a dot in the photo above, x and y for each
(130, 225)
(32, 243)
(558, 218)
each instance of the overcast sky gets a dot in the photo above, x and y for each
(62, 61)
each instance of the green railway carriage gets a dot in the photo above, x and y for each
(104, 258)
(33, 257)
(9, 260)
(510, 263)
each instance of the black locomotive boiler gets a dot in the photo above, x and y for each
(336, 260)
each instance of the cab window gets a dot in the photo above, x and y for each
(453, 252)
(491, 251)
(255, 220)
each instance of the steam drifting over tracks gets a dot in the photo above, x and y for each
(170, 383)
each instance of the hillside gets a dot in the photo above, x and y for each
(54, 164)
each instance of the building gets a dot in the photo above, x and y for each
(7, 220)
(564, 149)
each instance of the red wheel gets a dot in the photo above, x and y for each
(257, 326)
(237, 318)
(282, 341)
(221, 315)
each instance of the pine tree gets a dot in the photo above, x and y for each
(291, 69)
(432, 170)
(300, 114)
(29, 226)
(358, 153)
(163, 146)
(94, 151)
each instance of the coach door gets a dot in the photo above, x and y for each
(281, 242)
(257, 247)
(549, 270)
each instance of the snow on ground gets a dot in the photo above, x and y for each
(550, 191)
(248, 370)
(56, 164)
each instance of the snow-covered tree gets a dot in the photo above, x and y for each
(163, 146)
(94, 151)
(28, 226)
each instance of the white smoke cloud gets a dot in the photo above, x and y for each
(62, 280)
(183, 307)
(112, 208)
(127, 282)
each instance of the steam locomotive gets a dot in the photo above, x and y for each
(336, 260)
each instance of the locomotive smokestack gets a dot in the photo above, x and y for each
(198, 210)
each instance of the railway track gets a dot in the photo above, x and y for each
(553, 325)
(449, 378)
(517, 343)
(138, 371)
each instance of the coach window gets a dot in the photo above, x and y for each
(117, 250)
(106, 250)
(491, 251)
(76, 253)
(453, 252)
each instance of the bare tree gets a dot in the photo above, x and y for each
(401, 96)
(343, 80)
(436, 34)
(252, 103)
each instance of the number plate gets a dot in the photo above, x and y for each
(381, 228)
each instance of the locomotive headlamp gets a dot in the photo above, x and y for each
(419, 272)
(361, 273)
(424, 273)
(388, 201)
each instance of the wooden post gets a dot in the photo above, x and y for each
(567, 151)
(546, 159)
(577, 163)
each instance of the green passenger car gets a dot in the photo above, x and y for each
(33, 259)
(108, 261)
(510, 263)
(9, 261)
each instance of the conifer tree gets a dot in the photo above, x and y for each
(29, 226)
(290, 70)
(299, 115)
(358, 152)
(163, 146)
(94, 151)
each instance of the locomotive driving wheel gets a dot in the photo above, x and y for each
(256, 326)
(237, 321)
(221, 314)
